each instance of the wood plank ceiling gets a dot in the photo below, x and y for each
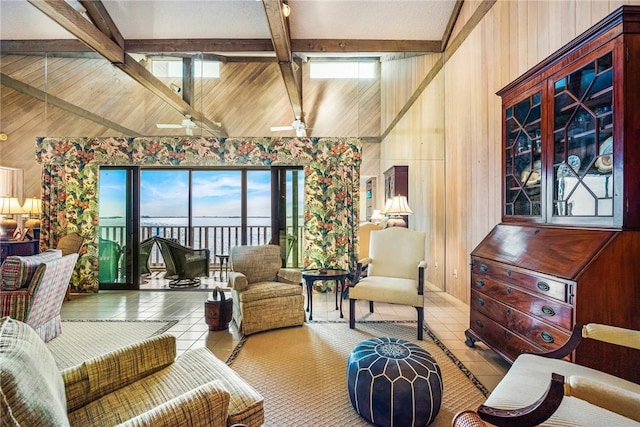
(96, 32)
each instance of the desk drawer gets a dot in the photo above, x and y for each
(505, 342)
(548, 287)
(548, 310)
(540, 333)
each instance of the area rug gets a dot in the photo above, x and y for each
(83, 339)
(301, 372)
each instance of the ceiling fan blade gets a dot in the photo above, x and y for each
(168, 126)
(280, 128)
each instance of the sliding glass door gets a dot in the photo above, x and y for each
(287, 201)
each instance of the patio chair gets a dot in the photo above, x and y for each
(109, 253)
(145, 248)
(184, 265)
(395, 272)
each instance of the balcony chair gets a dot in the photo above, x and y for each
(184, 265)
(145, 248)
(545, 389)
(395, 272)
(109, 253)
(265, 296)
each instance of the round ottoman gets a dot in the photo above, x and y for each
(393, 382)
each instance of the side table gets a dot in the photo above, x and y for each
(311, 276)
(18, 247)
(223, 260)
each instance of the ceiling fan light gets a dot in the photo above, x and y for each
(286, 10)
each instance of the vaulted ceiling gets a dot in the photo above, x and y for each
(230, 31)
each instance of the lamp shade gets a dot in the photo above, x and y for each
(376, 216)
(397, 206)
(32, 206)
(10, 206)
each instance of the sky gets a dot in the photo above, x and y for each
(164, 193)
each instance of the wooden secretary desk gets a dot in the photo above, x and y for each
(568, 248)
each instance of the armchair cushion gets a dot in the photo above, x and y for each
(265, 290)
(27, 369)
(393, 290)
(17, 271)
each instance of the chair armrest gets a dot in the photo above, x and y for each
(531, 415)
(238, 281)
(290, 275)
(103, 374)
(467, 418)
(612, 335)
(206, 405)
(612, 398)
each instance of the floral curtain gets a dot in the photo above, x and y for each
(332, 176)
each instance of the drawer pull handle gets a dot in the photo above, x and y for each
(543, 286)
(548, 310)
(546, 337)
(509, 290)
(480, 283)
(483, 268)
(508, 310)
(509, 273)
(480, 301)
(479, 323)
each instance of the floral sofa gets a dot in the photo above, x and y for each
(140, 385)
(34, 287)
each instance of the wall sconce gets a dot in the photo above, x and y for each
(9, 206)
(286, 10)
(396, 208)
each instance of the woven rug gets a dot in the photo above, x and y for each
(301, 372)
(83, 339)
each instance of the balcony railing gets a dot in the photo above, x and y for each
(218, 239)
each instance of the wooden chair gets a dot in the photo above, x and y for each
(70, 244)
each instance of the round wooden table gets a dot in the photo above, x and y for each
(311, 276)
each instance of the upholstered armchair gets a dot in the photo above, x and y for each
(545, 389)
(265, 296)
(395, 272)
(33, 289)
(143, 384)
(184, 265)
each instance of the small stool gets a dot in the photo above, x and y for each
(394, 382)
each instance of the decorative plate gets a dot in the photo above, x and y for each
(605, 162)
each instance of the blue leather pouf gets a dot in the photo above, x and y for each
(393, 382)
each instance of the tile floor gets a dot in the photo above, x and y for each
(446, 316)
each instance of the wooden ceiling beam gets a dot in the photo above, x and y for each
(198, 45)
(101, 19)
(66, 16)
(64, 105)
(356, 46)
(282, 45)
(69, 19)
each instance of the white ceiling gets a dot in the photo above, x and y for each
(245, 19)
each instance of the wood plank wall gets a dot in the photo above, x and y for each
(459, 189)
(248, 99)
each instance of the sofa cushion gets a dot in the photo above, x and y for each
(191, 370)
(265, 290)
(31, 390)
(17, 271)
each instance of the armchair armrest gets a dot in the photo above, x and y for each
(612, 398)
(612, 335)
(207, 405)
(290, 275)
(422, 265)
(361, 268)
(238, 281)
(104, 374)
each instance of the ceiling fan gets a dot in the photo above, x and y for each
(187, 124)
(297, 125)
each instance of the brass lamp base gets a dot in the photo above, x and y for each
(8, 227)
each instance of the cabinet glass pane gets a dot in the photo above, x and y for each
(523, 157)
(583, 142)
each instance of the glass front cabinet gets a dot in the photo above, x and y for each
(567, 249)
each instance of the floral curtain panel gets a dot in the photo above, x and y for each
(332, 179)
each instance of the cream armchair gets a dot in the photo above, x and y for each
(544, 389)
(265, 296)
(395, 272)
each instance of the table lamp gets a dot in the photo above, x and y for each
(33, 207)
(377, 217)
(396, 208)
(9, 206)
